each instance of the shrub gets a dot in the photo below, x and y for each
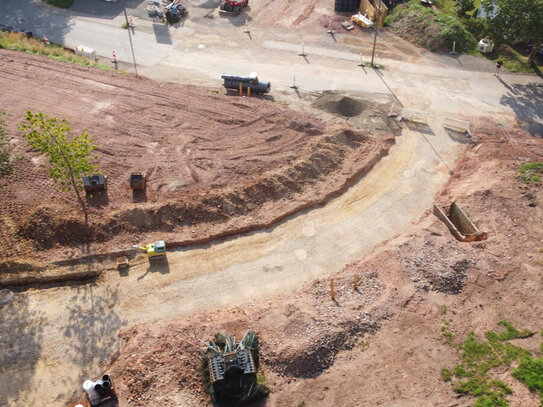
(6, 161)
(430, 28)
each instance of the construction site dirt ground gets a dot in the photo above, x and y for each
(380, 345)
(215, 163)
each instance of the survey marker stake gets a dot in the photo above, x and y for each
(303, 54)
(361, 63)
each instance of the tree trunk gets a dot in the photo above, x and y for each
(531, 57)
(82, 203)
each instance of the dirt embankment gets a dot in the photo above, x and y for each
(215, 164)
(383, 343)
(429, 28)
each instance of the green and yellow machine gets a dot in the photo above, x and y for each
(154, 250)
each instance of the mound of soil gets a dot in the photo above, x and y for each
(338, 104)
(48, 226)
(223, 208)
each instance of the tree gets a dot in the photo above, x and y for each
(6, 162)
(69, 160)
(463, 6)
(516, 20)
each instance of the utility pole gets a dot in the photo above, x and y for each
(376, 28)
(130, 39)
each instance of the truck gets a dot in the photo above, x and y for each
(245, 83)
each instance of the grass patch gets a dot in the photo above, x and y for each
(364, 346)
(60, 3)
(446, 332)
(430, 28)
(478, 357)
(513, 59)
(18, 42)
(446, 375)
(530, 173)
(530, 372)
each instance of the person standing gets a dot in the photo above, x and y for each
(498, 66)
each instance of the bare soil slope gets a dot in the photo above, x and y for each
(215, 164)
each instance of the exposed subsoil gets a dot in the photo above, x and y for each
(380, 345)
(215, 164)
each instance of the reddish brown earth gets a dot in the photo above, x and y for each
(382, 344)
(215, 164)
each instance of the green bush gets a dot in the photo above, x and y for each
(463, 6)
(430, 28)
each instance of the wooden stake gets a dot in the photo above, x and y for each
(355, 282)
(249, 91)
(240, 89)
(332, 289)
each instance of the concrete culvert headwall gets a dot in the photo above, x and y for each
(339, 104)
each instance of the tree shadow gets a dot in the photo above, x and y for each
(55, 26)
(525, 101)
(21, 334)
(103, 9)
(93, 326)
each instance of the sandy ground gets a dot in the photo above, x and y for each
(240, 270)
(320, 352)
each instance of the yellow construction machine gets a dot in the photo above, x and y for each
(154, 250)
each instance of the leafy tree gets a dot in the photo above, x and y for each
(6, 162)
(516, 20)
(69, 160)
(463, 6)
